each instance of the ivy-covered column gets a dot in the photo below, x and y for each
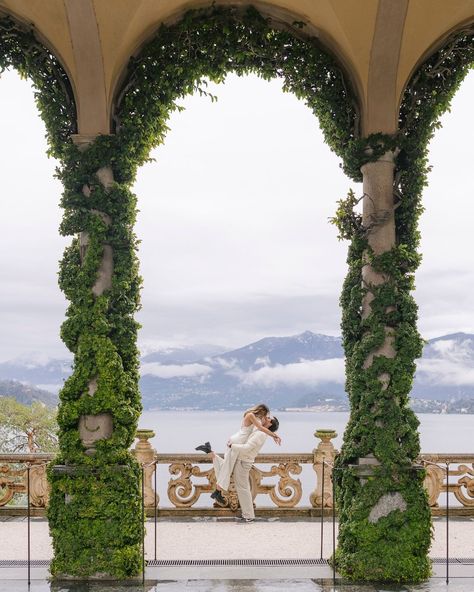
(385, 521)
(95, 509)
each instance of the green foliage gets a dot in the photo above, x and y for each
(381, 423)
(100, 330)
(20, 49)
(347, 220)
(96, 523)
(209, 43)
(26, 428)
(394, 549)
(95, 520)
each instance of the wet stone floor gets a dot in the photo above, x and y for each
(257, 585)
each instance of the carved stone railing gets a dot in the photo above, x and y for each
(192, 479)
(452, 473)
(184, 493)
(14, 478)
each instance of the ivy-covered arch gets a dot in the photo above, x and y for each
(100, 209)
(381, 423)
(94, 513)
(22, 50)
(208, 44)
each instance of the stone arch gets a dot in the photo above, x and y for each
(338, 73)
(443, 42)
(277, 17)
(23, 48)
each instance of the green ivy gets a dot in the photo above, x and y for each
(96, 522)
(381, 423)
(53, 93)
(94, 510)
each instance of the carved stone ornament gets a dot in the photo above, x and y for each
(183, 493)
(464, 489)
(13, 481)
(39, 486)
(433, 483)
(93, 428)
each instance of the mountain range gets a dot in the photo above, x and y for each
(295, 371)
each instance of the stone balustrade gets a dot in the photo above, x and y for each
(274, 476)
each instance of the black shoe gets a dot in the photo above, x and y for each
(217, 495)
(204, 448)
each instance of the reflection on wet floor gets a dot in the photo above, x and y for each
(260, 585)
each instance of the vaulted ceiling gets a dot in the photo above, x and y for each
(380, 42)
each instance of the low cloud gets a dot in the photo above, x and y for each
(305, 372)
(456, 351)
(452, 365)
(226, 364)
(439, 371)
(175, 370)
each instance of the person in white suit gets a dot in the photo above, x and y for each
(223, 467)
(245, 459)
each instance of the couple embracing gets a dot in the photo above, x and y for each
(242, 448)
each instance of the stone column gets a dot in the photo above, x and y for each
(380, 498)
(95, 514)
(378, 218)
(145, 455)
(93, 428)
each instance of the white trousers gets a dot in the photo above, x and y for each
(223, 467)
(242, 486)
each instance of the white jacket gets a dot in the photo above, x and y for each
(251, 448)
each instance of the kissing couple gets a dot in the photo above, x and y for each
(242, 448)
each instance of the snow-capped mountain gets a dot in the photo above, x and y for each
(283, 371)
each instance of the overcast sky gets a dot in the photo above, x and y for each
(233, 220)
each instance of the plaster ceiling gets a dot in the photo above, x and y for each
(379, 42)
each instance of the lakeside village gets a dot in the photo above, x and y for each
(418, 405)
(455, 406)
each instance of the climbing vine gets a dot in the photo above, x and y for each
(381, 421)
(19, 49)
(95, 522)
(94, 512)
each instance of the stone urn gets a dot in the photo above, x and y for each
(325, 435)
(143, 436)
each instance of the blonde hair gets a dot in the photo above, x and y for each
(259, 410)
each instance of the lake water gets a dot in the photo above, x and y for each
(182, 431)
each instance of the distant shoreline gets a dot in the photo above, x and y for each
(301, 410)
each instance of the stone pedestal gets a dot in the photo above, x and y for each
(145, 455)
(324, 453)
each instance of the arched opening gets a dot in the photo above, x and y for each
(29, 185)
(32, 305)
(236, 246)
(100, 402)
(445, 279)
(235, 212)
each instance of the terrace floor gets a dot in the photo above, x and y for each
(267, 556)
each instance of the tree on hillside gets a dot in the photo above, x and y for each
(27, 428)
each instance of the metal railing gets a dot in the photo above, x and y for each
(23, 480)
